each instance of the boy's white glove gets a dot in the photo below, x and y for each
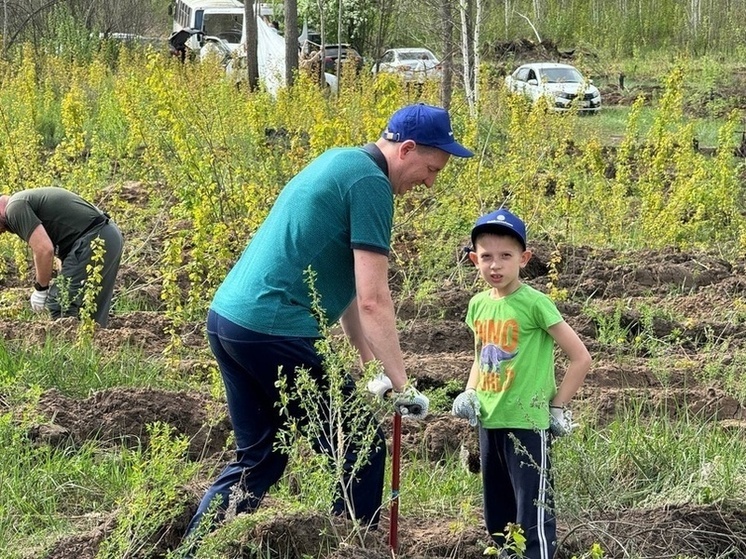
(380, 385)
(560, 421)
(38, 300)
(466, 406)
(411, 403)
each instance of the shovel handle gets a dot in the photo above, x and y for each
(395, 464)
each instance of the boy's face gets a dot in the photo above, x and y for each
(499, 259)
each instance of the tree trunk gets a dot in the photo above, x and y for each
(252, 34)
(339, 40)
(446, 86)
(291, 40)
(476, 58)
(386, 12)
(465, 9)
(322, 31)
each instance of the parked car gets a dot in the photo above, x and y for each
(412, 64)
(343, 51)
(561, 84)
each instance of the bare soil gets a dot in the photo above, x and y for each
(701, 288)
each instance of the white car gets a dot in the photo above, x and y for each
(412, 64)
(561, 84)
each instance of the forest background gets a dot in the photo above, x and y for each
(615, 27)
(109, 437)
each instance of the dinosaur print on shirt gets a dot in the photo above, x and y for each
(495, 336)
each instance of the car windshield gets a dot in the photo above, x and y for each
(561, 75)
(225, 26)
(416, 55)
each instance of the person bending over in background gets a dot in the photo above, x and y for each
(335, 218)
(511, 392)
(58, 223)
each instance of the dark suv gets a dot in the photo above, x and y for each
(332, 53)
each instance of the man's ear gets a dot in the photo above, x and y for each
(405, 147)
(473, 257)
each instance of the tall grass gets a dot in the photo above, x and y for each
(670, 456)
(49, 493)
(76, 369)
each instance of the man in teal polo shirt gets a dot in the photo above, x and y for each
(334, 217)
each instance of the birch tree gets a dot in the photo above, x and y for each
(470, 33)
(468, 86)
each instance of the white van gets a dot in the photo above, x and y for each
(212, 20)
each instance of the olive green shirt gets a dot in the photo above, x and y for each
(64, 215)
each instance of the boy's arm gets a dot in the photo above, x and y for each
(474, 374)
(580, 361)
(466, 405)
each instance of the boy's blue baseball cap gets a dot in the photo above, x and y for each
(426, 125)
(500, 221)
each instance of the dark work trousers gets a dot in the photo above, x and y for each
(75, 274)
(249, 363)
(517, 487)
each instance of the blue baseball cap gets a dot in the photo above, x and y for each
(500, 221)
(425, 125)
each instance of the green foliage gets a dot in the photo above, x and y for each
(68, 37)
(595, 552)
(629, 329)
(626, 29)
(441, 398)
(337, 421)
(45, 488)
(92, 288)
(459, 493)
(724, 367)
(515, 542)
(153, 495)
(215, 159)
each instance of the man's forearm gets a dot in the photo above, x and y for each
(43, 249)
(43, 265)
(379, 324)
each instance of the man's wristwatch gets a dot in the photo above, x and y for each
(40, 287)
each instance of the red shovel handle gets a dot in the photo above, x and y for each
(395, 462)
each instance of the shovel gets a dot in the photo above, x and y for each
(395, 463)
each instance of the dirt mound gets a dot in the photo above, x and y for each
(121, 415)
(715, 530)
(85, 545)
(697, 290)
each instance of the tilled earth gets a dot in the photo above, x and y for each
(702, 290)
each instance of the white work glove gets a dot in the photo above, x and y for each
(411, 403)
(466, 406)
(380, 385)
(38, 300)
(560, 421)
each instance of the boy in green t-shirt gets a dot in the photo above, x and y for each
(511, 391)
